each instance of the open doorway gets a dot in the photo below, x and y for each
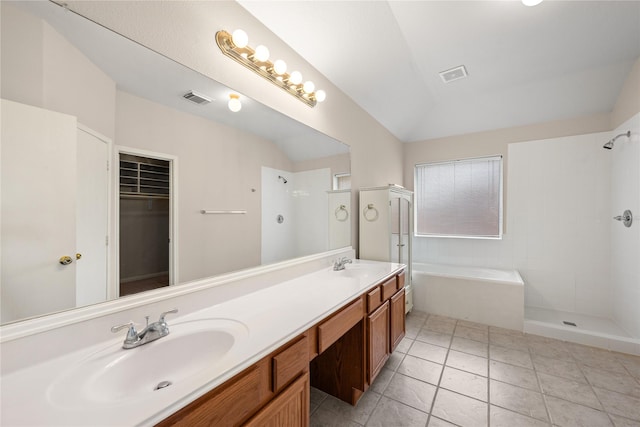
(145, 223)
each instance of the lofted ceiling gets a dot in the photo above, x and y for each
(526, 65)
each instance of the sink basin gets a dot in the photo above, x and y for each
(360, 271)
(115, 375)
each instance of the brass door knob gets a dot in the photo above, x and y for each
(78, 256)
(65, 260)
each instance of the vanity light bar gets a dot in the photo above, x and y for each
(258, 62)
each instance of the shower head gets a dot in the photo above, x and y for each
(609, 145)
(284, 180)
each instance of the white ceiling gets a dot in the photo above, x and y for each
(557, 60)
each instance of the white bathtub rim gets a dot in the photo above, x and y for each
(449, 271)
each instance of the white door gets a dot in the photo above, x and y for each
(91, 218)
(38, 191)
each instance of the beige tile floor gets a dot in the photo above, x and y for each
(449, 372)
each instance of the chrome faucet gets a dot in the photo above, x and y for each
(150, 333)
(340, 263)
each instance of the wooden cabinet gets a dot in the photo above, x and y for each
(262, 389)
(334, 328)
(342, 355)
(227, 405)
(377, 340)
(396, 320)
(289, 409)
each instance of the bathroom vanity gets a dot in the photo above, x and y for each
(344, 352)
(249, 359)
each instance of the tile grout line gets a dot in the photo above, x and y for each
(580, 368)
(488, 376)
(444, 364)
(544, 396)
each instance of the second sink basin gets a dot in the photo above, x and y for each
(115, 375)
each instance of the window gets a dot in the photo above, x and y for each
(460, 198)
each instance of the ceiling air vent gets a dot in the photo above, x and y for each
(453, 74)
(196, 97)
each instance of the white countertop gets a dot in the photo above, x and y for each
(272, 316)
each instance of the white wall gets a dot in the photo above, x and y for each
(44, 70)
(339, 219)
(310, 209)
(302, 201)
(559, 222)
(218, 167)
(277, 238)
(625, 242)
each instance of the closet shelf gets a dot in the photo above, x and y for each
(144, 180)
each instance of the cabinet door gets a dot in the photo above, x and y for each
(397, 324)
(377, 340)
(289, 409)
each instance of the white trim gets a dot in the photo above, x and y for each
(112, 282)
(173, 212)
(23, 328)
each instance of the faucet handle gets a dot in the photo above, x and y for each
(175, 310)
(132, 334)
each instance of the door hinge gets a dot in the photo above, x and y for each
(106, 240)
(107, 165)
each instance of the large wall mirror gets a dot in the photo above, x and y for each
(114, 183)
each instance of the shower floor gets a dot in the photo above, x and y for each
(589, 330)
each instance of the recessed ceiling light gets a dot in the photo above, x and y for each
(531, 2)
(452, 74)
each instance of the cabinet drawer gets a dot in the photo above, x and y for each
(289, 409)
(331, 330)
(229, 404)
(290, 363)
(388, 288)
(374, 299)
(400, 281)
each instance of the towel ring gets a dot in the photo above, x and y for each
(370, 218)
(341, 218)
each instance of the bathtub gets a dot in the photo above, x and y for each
(484, 295)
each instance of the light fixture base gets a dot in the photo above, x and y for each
(246, 57)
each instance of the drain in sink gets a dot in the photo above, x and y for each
(163, 384)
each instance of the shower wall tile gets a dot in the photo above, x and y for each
(625, 242)
(561, 243)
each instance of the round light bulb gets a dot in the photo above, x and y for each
(531, 2)
(262, 53)
(240, 38)
(321, 95)
(308, 87)
(234, 103)
(295, 77)
(280, 67)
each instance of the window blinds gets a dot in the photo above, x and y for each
(461, 198)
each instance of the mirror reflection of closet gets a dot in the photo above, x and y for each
(144, 222)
